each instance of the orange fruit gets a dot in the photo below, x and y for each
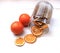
(24, 19)
(37, 31)
(30, 38)
(19, 41)
(17, 27)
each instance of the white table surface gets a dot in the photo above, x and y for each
(10, 12)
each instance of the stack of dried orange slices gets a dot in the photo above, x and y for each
(37, 31)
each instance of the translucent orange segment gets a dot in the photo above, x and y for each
(30, 38)
(19, 42)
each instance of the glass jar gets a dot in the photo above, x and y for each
(42, 12)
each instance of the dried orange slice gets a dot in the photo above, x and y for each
(44, 26)
(38, 23)
(30, 38)
(19, 41)
(37, 31)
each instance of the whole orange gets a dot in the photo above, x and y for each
(24, 19)
(17, 27)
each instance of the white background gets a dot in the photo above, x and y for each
(10, 12)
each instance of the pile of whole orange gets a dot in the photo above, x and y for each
(17, 26)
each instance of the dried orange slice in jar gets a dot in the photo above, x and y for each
(37, 23)
(37, 31)
(44, 26)
(30, 38)
(19, 41)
